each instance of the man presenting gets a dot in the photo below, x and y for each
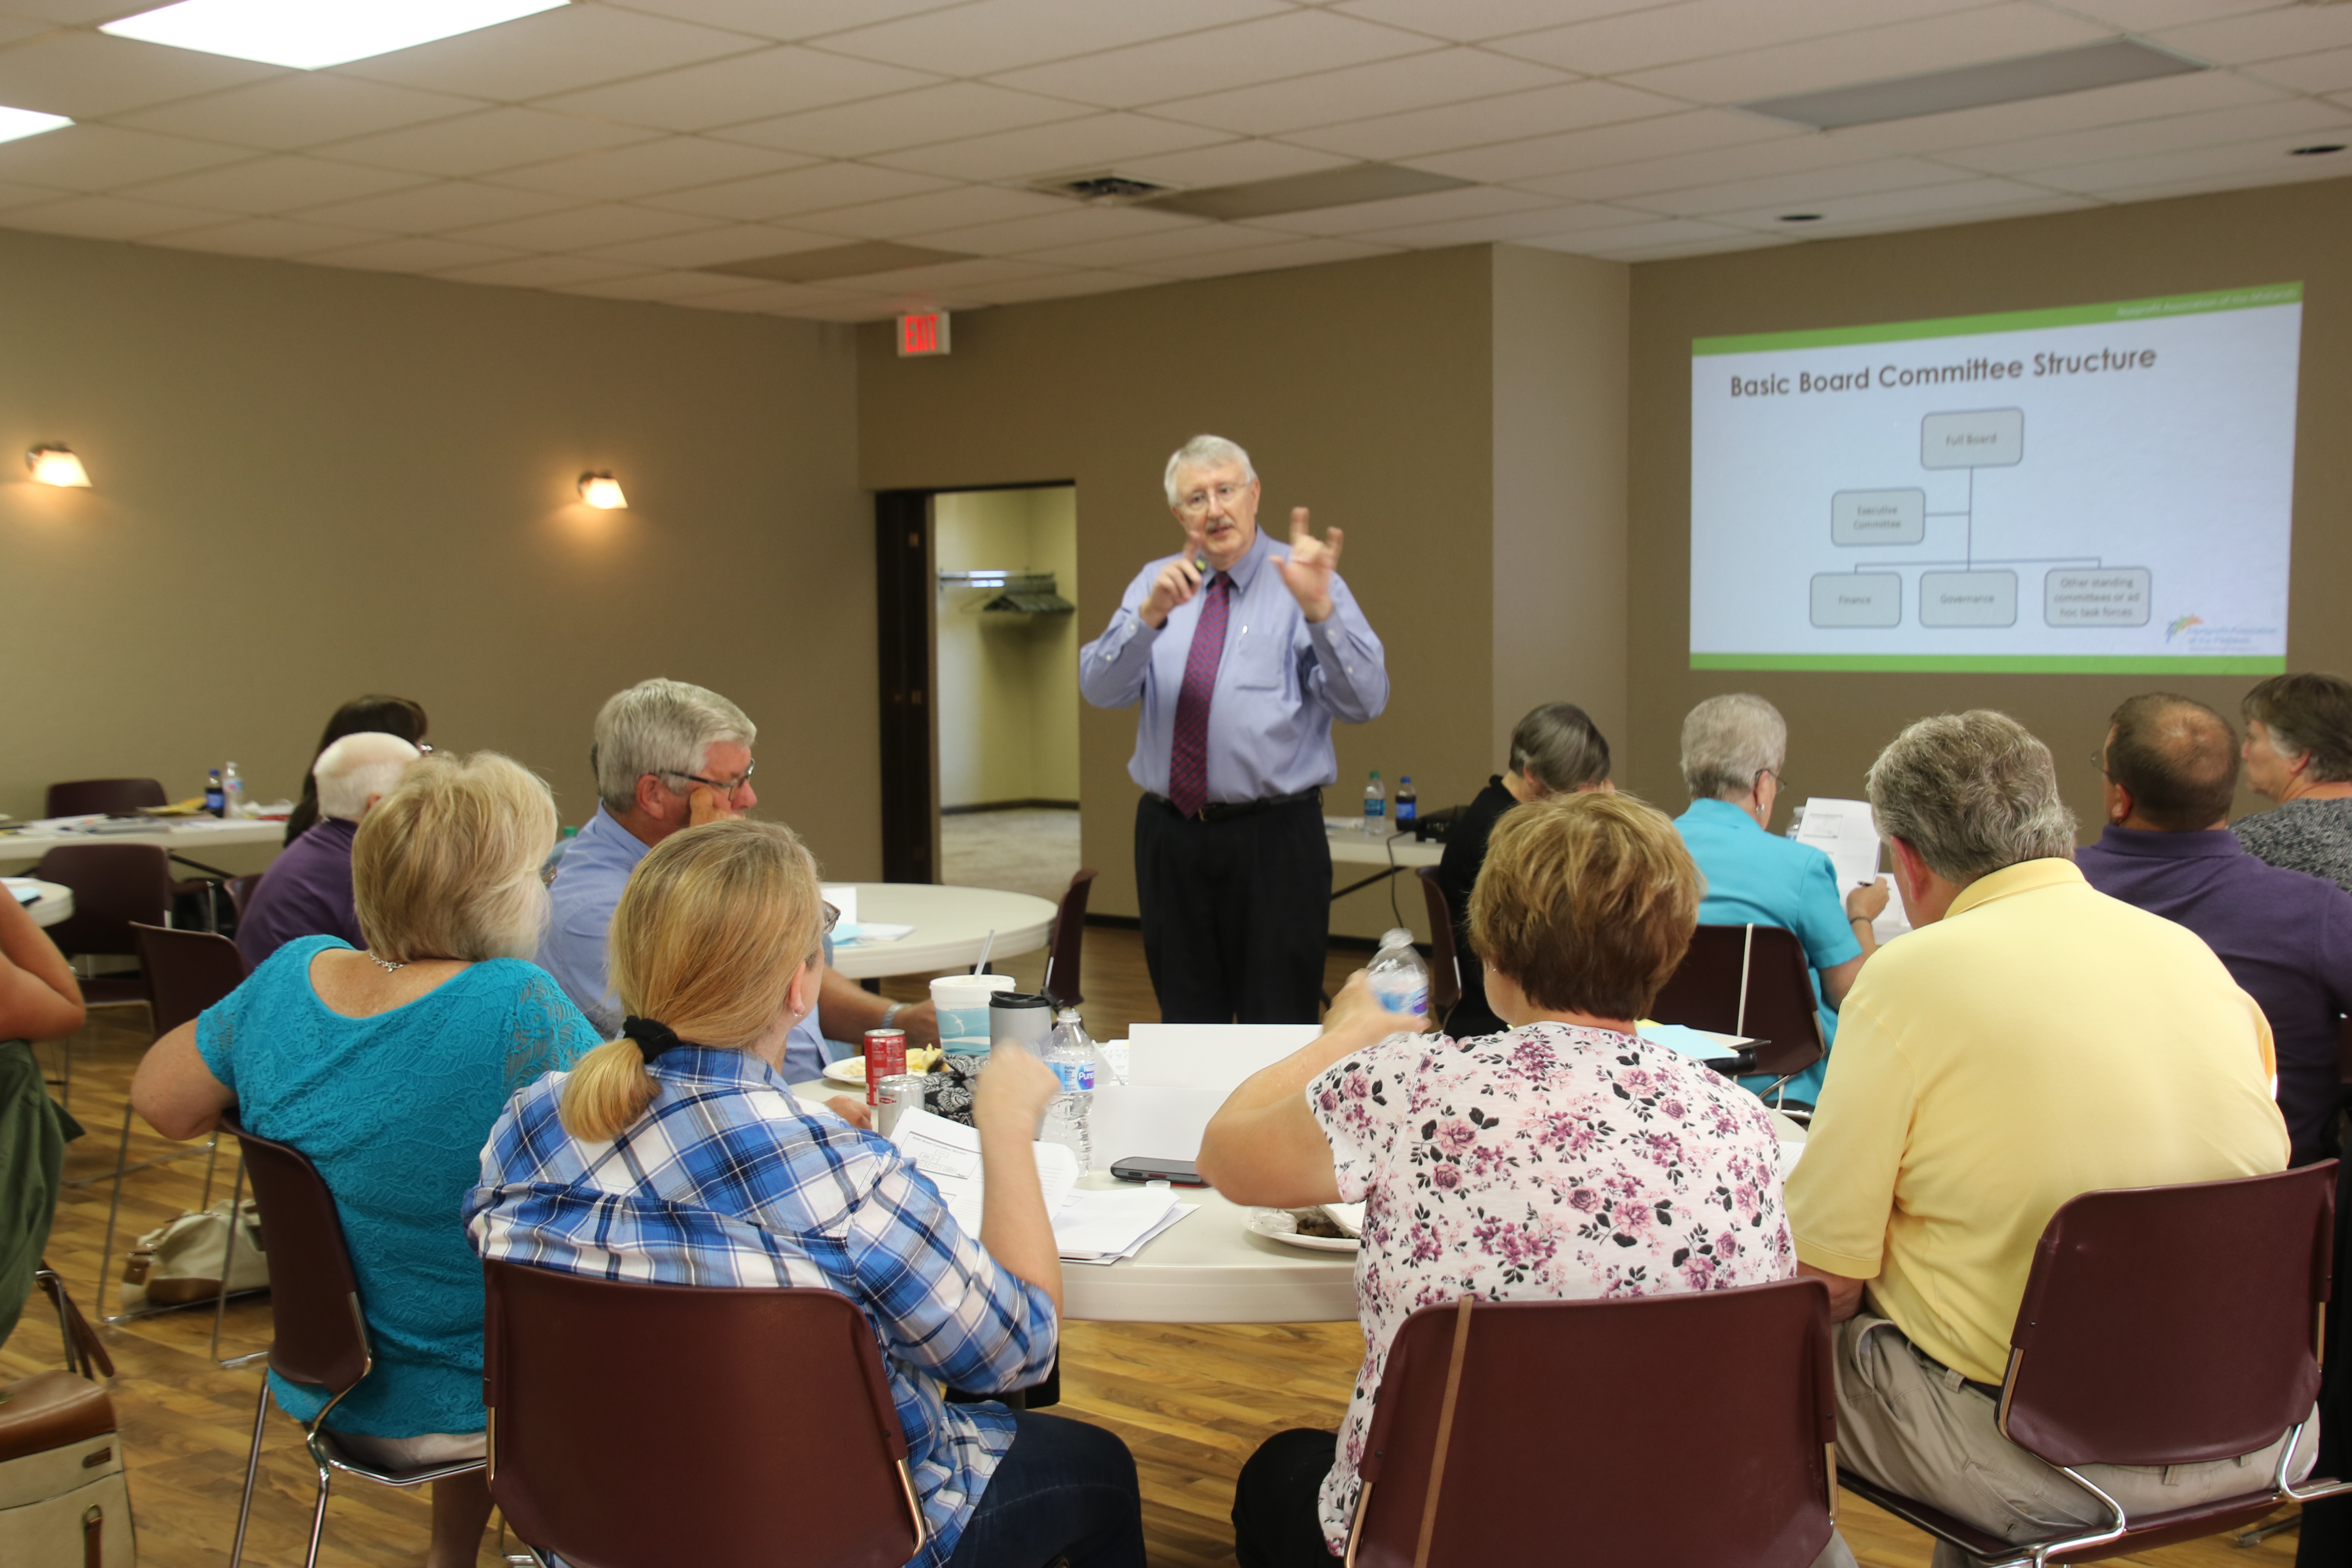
(1242, 652)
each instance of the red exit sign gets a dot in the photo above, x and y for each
(923, 334)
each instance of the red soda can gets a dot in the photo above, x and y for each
(886, 1056)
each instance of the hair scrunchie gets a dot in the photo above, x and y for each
(652, 1037)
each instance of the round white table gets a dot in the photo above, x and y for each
(951, 927)
(55, 904)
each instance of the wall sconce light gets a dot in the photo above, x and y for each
(602, 491)
(56, 465)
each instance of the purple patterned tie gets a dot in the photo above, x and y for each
(1188, 758)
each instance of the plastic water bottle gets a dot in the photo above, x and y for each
(213, 799)
(1398, 978)
(1408, 805)
(1068, 1118)
(232, 791)
(1376, 805)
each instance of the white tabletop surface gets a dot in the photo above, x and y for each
(1352, 845)
(189, 835)
(55, 902)
(951, 924)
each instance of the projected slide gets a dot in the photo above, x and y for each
(2098, 488)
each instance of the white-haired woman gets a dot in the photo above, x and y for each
(386, 1066)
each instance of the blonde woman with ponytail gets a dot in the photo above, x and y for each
(677, 1154)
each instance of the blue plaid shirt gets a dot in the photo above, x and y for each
(727, 1181)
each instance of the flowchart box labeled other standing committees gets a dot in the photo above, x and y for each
(1857, 599)
(1878, 517)
(1985, 438)
(1968, 598)
(2095, 596)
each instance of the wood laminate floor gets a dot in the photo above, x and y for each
(1192, 1400)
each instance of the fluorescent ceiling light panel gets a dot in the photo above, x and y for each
(308, 34)
(1975, 87)
(16, 122)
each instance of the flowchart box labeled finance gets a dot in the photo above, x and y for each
(1857, 599)
(1878, 517)
(1983, 438)
(2095, 596)
(1968, 598)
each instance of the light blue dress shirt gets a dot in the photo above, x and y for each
(1282, 681)
(1756, 878)
(587, 890)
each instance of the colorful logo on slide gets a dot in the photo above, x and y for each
(2182, 625)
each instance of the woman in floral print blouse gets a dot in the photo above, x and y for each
(1566, 1158)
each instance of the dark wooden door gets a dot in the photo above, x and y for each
(904, 577)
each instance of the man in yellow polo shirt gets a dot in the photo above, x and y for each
(2033, 1040)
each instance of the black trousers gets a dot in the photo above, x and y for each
(1236, 912)
(1275, 1522)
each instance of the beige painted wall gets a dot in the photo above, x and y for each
(1362, 391)
(312, 483)
(1008, 684)
(1561, 330)
(1838, 723)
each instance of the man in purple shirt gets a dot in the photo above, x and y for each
(2171, 766)
(308, 890)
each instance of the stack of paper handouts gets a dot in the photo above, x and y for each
(1089, 1226)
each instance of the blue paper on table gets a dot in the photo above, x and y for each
(1697, 1044)
(847, 933)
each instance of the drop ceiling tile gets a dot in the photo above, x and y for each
(300, 109)
(408, 254)
(662, 287)
(847, 309)
(744, 87)
(493, 139)
(715, 247)
(1075, 225)
(648, 168)
(1060, 285)
(1669, 231)
(1229, 163)
(1700, 30)
(993, 35)
(2147, 15)
(1627, 141)
(787, 21)
(1509, 117)
(1874, 54)
(537, 271)
(1716, 247)
(12, 195)
(1292, 43)
(1898, 216)
(956, 207)
(1261, 258)
(87, 75)
(2329, 70)
(108, 217)
(1753, 161)
(271, 237)
(2215, 130)
(947, 276)
(768, 298)
(2268, 35)
(562, 50)
(1914, 205)
(1553, 218)
(1085, 146)
(905, 119)
(15, 27)
(273, 185)
(431, 209)
(609, 223)
(2269, 157)
(1463, 202)
(799, 191)
(1806, 191)
(1157, 246)
(98, 157)
(2285, 172)
(77, 13)
(1384, 87)
(1469, 21)
(2119, 105)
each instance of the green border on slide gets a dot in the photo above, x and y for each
(2122, 310)
(2002, 664)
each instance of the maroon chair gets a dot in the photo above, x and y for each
(1478, 1416)
(1753, 981)
(1446, 983)
(1069, 938)
(2163, 1326)
(320, 1338)
(609, 1447)
(115, 886)
(86, 797)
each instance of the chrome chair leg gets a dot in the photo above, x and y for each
(252, 1470)
(319, 1515)
(212, 1161)
(113, 1210)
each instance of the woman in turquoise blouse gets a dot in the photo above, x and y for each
(387, 1067)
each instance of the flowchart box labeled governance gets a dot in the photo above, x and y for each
(1857, 599)
(2095, 596)
(1982, 438)
(1968, 598)
(1878, 517)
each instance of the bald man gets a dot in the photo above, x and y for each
(2172, 767)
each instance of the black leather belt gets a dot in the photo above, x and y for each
(1219, 810)
(1990, 1390)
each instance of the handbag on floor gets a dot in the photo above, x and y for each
(64, 1499)
(181, 1262)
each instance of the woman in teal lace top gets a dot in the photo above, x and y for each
(387, 1067)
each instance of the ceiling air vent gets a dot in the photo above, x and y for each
(1106, 188)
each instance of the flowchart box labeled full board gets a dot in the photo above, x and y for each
(2095, 596)
(1857, 599)
(1878, 517)
(1982, 438)
(1968, 598)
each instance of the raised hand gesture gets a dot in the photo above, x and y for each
(1179, 580)
(1308, 571)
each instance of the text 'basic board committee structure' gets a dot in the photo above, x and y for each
(2093, 487)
